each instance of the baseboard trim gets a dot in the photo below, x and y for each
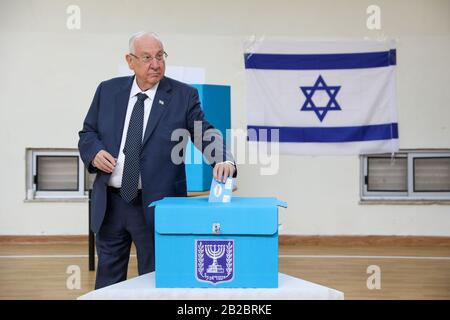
(44, 239)
(286, 240)
(344, 240)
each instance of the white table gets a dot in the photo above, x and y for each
(143, 288)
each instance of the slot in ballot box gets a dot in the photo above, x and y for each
(201, 244)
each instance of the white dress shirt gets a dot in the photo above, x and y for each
(116, 177)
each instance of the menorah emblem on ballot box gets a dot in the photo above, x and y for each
(214, 260)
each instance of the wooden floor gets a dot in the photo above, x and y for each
(38, 270)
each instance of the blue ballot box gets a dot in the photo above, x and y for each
(216, 245)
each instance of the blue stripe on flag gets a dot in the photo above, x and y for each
(327, 134)
(320, 61)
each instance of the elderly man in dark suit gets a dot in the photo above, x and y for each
(126, 140)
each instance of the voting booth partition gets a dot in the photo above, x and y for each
(200, 244)
(216, 105)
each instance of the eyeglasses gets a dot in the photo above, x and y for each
(146, 58)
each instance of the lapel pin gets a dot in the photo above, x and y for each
(161, 102)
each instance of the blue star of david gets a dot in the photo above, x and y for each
(320, 110)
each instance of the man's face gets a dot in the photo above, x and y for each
(148, 73)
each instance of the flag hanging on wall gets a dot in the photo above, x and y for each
(322, 97)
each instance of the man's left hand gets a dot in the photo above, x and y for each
(222, 171)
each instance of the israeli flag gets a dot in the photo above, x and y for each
(323, 97)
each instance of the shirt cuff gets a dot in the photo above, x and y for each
(227, 161)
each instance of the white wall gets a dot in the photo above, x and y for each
(49, 75)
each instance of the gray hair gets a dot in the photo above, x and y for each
(141, 34)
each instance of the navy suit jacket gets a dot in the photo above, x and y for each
(176, 105)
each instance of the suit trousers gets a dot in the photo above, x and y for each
(123, 224)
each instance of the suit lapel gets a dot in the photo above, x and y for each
(159, 106)
(120, 111)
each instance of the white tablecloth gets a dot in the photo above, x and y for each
(143, 287)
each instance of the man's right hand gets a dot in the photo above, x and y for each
(104, 161)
